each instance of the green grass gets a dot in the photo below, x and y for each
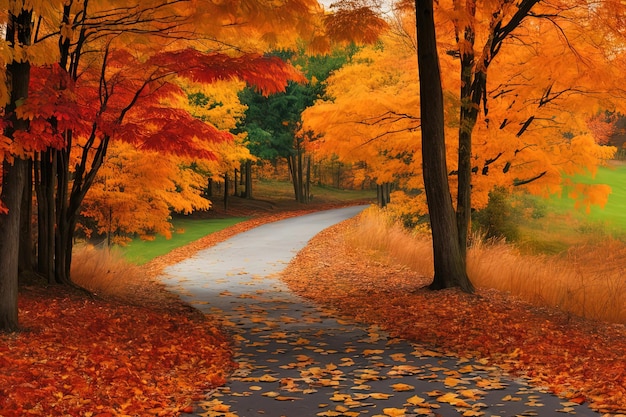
(613, 214)
(282, 190)
(186, 231)
(563, 225)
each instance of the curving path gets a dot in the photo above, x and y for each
(296, 360)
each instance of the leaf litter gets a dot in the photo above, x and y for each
(579, 360)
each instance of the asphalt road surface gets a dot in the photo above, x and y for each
(297, 360)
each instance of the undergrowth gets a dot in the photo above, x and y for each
(586, 280)
(103, 271)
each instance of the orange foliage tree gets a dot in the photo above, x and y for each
(524, 128)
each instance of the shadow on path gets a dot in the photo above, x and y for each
(297, 360)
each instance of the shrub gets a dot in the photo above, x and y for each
(499, 218)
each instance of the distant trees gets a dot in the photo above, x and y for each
(273, 124)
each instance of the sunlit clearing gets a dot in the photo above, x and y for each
(103, 271)
(587, 281)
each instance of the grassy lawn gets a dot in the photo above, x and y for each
(613, 214)
(186, 231)
(282, 190)
(564, 226)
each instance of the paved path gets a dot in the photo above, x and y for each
(298, 361)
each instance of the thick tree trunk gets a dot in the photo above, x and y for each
(12, 188)
(467, 121)
(18, 33)
(449, 262)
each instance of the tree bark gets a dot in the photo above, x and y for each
(249, 179)
(12, 188)
(226, 191)
(26, 259)
(449, 262)
(18, 32)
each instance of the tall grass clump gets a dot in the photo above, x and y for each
(586, 281)
(382, 236)
(104, 271)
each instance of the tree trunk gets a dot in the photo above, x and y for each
(26, 264)
(292, 165)
(307, 182)
(383, 194)
(226, 191)
(18, 33)
(12, 188)
(45, 176)
(209, 187)
(63, 233)
(248, 179)
(449, 262)
(236, 182)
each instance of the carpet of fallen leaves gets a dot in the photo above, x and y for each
(144, 353)
(580, 360)
(78, 355)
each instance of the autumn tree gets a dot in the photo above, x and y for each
(133, 196)
(530, 123)
(449, 260)
(220, 105)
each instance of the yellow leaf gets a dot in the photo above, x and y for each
(340, 397)
(473, 413)
(453, 399)
(329, 413)
(451, 382)
(402, 387)
(394, 412)
(415, 400)
(380, 396)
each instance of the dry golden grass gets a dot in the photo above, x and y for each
(103, 271)
(588, 281)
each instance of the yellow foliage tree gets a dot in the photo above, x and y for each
(133, 195)
(539, 100)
